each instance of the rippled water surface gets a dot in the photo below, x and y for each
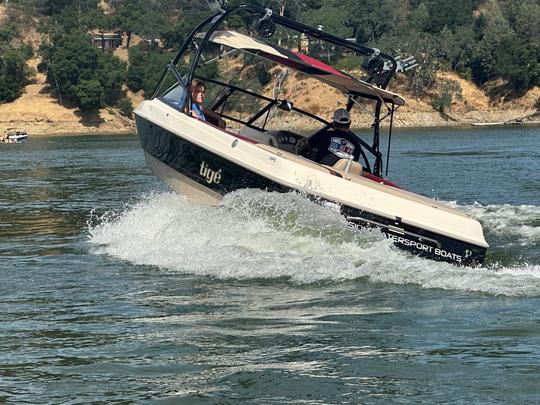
(115, 290)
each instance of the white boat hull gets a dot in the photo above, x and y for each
(205, 162)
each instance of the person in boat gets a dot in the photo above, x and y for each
(197, 97)
(198, 89)
(332, 144)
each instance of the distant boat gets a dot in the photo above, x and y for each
(14, 135)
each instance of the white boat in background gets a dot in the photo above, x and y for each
(14, 135)
(204, 161)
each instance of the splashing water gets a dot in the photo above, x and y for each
(520, 222)
(513, 232)
(255, 234)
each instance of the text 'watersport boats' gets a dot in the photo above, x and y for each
(243, 59)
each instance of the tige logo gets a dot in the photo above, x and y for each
(210, 175)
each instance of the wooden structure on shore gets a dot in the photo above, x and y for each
(526, 119)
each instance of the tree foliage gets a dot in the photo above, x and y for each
(126, 107)
(448, 91)
(53, 7)
(498, 39)
(14, 72)
(146, 64)
(80, 73)
(479, 39)
(130, 16)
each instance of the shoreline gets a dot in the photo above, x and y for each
(113, 124)
(79, 133)
(39, 113)
(396, 129)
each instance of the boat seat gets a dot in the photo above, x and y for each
(355, 168)
(286, 140)
(258, 135)
(295, 158)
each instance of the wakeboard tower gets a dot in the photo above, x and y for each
(238, 53)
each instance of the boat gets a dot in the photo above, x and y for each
(14, 135)
(238, 53)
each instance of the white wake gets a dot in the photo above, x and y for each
(256, 234)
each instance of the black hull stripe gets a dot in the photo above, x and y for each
(223, 176)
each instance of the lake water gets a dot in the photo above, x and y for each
(115, 290)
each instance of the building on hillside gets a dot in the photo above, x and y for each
(107, 40)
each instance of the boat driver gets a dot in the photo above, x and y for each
(332, 144)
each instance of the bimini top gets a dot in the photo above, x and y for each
(305, 64)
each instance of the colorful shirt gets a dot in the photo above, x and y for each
(198, 110)
(330, 145)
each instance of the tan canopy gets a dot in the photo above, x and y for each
(305, 64)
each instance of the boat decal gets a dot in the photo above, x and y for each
(211, 176)
(341, 147)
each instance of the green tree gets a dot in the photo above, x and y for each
(136, 68)
(130, 16)
(519, 64)
(89, 95)
(126, 107)
(189, 14)
(449, 13)
(518, 57)
(81, 73)
(154, 25)
(456, 48)
(370, 20)
(52, 7)
(146, 64)
(13, 73)
(288, 8)
(523, 17)
(449, 90)
(111, 74)
(173, 35)
(495, 32)
(332, 15)
(420, 18)
(98, 23)
(8, 32)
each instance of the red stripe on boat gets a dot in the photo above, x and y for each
(379, 179)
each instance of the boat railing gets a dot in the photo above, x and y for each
(200, 38)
